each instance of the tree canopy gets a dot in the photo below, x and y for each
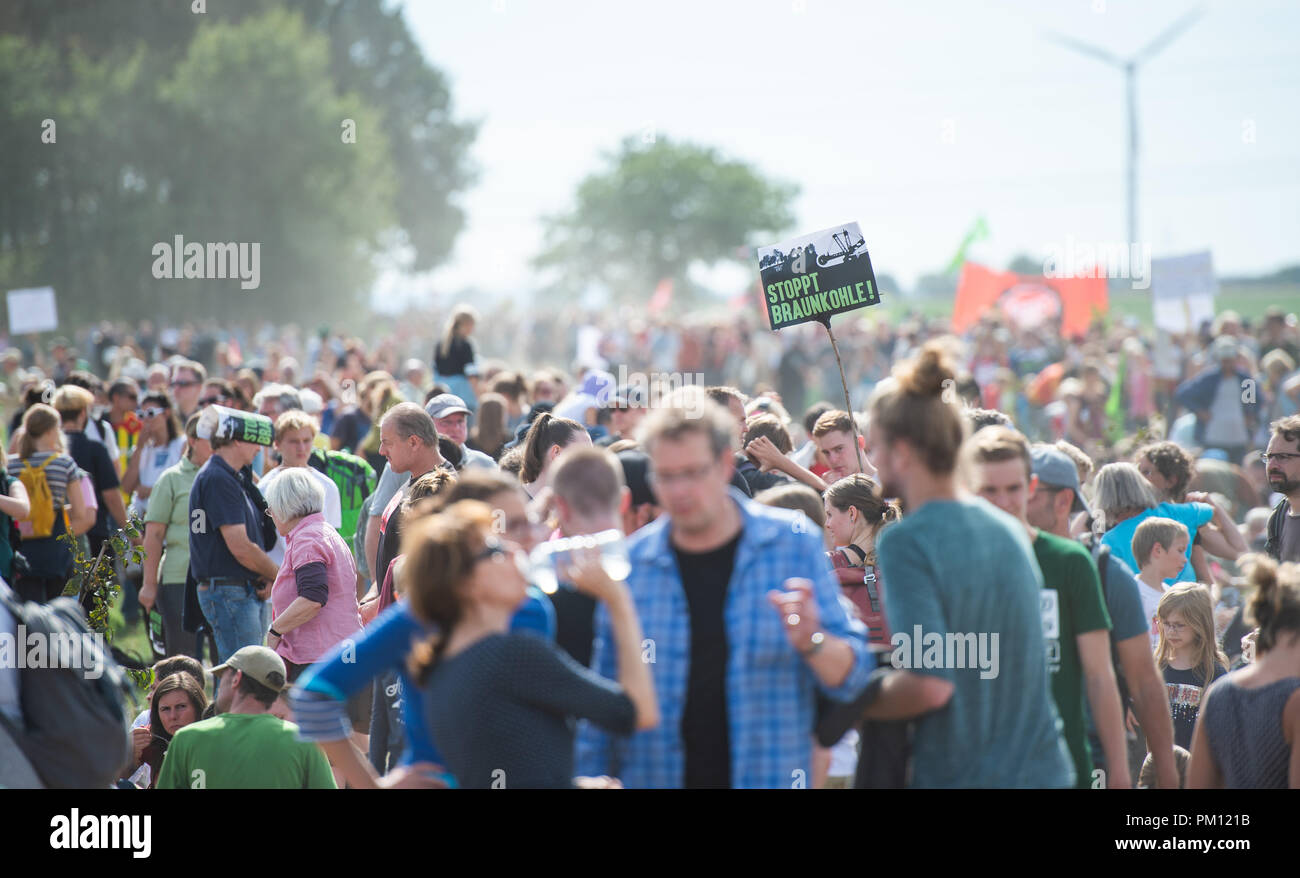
(316, 130)
(656, 210)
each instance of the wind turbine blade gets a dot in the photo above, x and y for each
(1170, 34)
(1094, 51)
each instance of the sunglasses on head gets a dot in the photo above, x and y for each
(150, 412)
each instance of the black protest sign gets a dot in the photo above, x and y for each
(814, 276)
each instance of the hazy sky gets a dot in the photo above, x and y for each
(912, 118)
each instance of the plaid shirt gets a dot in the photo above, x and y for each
(770, 689)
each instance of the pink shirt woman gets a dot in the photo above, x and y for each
(314, 599)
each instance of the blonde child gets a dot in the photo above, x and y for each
(1187, 653)
(1160, 549)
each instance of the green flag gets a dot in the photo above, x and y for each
(1115, 404)
(978, 232)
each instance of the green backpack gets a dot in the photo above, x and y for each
(355, 478)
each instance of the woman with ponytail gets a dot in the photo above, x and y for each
(855, 513)
(1248, 732)
(499, 701)
(546, 438)
(963, 568)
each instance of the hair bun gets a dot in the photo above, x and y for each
(928, 373)
(1261, 572)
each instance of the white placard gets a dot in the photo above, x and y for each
(1182, 291)
(32, 310)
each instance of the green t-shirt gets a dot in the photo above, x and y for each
(169, 504)
(1071, 604)
(255, 751)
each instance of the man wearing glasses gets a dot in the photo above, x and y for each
(187, 385)
(1282, 462)
(742, 619)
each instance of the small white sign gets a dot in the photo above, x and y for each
(1183, 290)
(32, 310)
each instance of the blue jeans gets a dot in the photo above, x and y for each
(235, 612)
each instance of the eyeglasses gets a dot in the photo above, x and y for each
(150, 412)
(1174, 627)
(493, 549)
(1279, 457)
(694, 474)
(186, 383)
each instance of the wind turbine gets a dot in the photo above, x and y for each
(1130, 68)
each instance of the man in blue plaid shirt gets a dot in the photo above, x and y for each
(742, 623)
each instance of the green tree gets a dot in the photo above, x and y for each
(221, 127)
(653, 212)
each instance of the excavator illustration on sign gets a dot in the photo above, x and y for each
(848, 251)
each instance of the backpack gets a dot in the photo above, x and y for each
(41, 497)
(74, 728)
(355, 478)
(1273, 546)
(1101, 557)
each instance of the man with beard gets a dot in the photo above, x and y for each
(1283, 462)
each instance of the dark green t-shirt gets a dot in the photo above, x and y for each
(250, 751)
(1072, 604)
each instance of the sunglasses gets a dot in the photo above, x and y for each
(212, 400)
(150, 412)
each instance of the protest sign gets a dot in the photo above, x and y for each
(32, 310)
(811, 277)
(219, 422)
(1182, 291)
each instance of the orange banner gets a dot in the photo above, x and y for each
(1067, 303)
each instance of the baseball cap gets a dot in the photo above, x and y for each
(599, 384)
(1225, 347)
(1056, 470)
(311, 401)
(445, 404)
(258, 662)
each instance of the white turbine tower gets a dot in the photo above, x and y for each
(1130, 68)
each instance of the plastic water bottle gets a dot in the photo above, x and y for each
(549, 558)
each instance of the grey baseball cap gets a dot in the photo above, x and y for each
(445, 404)
(1055, 470)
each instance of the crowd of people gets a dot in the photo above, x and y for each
(1027, 560)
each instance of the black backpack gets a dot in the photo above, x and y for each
(74, 728)
(1274, 544)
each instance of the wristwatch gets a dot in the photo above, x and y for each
(814, 644)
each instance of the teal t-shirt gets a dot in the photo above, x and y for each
(966, 569)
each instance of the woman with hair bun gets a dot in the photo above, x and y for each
(1248, 731)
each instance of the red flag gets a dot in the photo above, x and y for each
(663, 296)
(1067, 303)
